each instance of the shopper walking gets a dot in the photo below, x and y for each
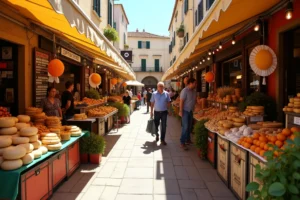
(126, 100)
(145, 96)
(160, 101)
(187, 103)
(148, 98)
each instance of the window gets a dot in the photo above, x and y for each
(124, 35)
(182, 12)
(115, 25)
(174, 38)
(97, 7)
(209, 3)
(122, 19)
(143, 63)
(156, 65)
(110, 13)
(186, 6)
(200, 12)
(144, 44)
(196, 18)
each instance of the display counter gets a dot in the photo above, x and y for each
(37, 179)
(292, 119)
(105, 123)
(85, 124)
(81, 109)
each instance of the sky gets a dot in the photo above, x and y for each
(152, 15)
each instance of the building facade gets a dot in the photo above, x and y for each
(150, 56)
(120, 24)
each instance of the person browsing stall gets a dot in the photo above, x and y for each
(50, 104)
(160, 102)
(67, 101)
(187, 103)
(127, 101)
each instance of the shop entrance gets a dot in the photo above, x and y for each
(232, 72)
(150, 82)
(9, 76)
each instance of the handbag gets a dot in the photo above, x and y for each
(151, 127)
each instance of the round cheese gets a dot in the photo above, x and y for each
(24, 118)
(33, 138)
(3, 149)
(20, 140)
(11, 164)
(36, 144)
(76, 134)
(28, 131)
(7, 122)
(50, 138)
(37, 154)
(5, 142)
(43, 149)
(15, 119)
(28, 158)
(21, 125)
(14, 153)
(55, 141)
(8, 131)
(1, 160)
(54, 147)
(48, 134)
(29, 147)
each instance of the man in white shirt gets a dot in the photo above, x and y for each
(144, 96)
(130, 93)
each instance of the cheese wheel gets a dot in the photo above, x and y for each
(24, 118)
(48, 135)
(20, 140)
(3, 149)
(37, 154)
(1, 160)
(33, 138)
(5, 142)
(28, 158)
(239, 120)
(28, 131)
(8, 131)
(50, 138)
(43, 149)
(15, 118)
(36, 144)
(7, 122)
(29, 147)
(14, 153)
(55, 141)
(54, 147)
(11, 164)
(21, 125)
(79, 133)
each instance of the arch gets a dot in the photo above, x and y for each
(150, 82)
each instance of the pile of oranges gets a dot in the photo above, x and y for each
(261, 142)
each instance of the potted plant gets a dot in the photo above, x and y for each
(111, 34)
(84, 149)
(92, 94)
(126, 46)
(201, 138)
(281, 176)
(96, 148)
(123, 110)
(180, 31)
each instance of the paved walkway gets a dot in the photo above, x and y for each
(137, 168)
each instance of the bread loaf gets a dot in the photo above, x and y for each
(21, 125)
(37, 154)
(8, 131)
(20, 140)
(14, 153)
(28, 158)
(24, 118)
(36, 144)
(28, 131)
(29, 147)
(11, 164)
(5, 142)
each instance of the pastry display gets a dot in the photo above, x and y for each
(53, 122)
(80, 116)
(101, 111)
(254, 111)
(293, 105)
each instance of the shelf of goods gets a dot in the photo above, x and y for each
(38, 179)
(105, 123)
(292, 119)
(87, 108)
(85, 124)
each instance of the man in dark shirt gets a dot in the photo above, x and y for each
(148, 97)
(67, 101)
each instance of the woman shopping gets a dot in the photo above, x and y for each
(50, 104)
(127, 100)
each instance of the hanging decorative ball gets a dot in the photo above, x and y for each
(263, 59)
(124, 84)
(96, 78)
(209, 77)
(56, 68)
(185, 80)
(178, 84)
(120, 80)
(113, 81)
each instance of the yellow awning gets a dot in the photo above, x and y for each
(42, 13)
(226, 16)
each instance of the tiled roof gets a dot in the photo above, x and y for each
(144, 34)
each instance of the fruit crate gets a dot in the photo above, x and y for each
(238, 170)
(292, 120)
(253, 161)
(223, 159)
(212, 149)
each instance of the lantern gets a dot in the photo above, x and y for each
(185, 80)
(119, 80)
(113, 81)
(178, 84)
(209, 77)
(56, 68)
(94, 80)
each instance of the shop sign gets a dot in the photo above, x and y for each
(70, 55)
(127, 55)
(297, 120)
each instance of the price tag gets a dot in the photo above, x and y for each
(297, 120)
(257, 119)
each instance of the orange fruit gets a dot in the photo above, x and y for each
(250, 140)
(266, 147)
(256, 135)
(292, 137)
(247, 145)
(258, 143)
(257, 150)
(281, 137)
(279, 143)
(295, 129)
(262, 144)
(276, 153)
(243, 143)
(286, 132)
(239, 142)
(253, 147)
(273, 138)
(263, 139)
(254, 142)
(262, 152)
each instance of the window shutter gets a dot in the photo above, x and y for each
(209, 3)
(186, 6)
(196, 18)
(95, 5)
(139, 44)
(200, 11)
(174, 38)
(156, 65)
(148, 45)
(115, 25)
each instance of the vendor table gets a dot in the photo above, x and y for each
(82, 109)
(84, 124)
(101, 122)
(35, 180)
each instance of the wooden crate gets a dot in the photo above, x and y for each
(37, 182)
(73, 158)
(253, 161)
(59, 167)
(238, 170)
(292, 120)
(212, 149)
(223, 159)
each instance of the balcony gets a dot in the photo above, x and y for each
(147, 69)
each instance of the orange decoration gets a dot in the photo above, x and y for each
(124, 84)
(295, 129)
(209, 77)
(263, 59)
(96, 78)
(56, 68)
(113, 81)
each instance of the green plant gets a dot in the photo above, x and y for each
(261, 99)
(123, 109)
(84, 145)
(96, 144)
(225, 90)
(281, 176)
(201, 135)
(111, 34)
(92, 94)
(180, 29)
(126, 46)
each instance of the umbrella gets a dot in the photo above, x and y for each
(134, 83)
